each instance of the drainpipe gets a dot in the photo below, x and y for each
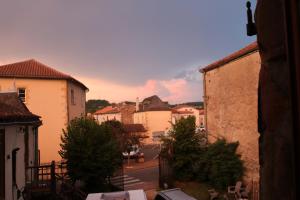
(205, 98)
(14, 170)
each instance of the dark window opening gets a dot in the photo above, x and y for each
(22, 94)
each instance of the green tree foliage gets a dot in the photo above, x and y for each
(184, 143)
(124, 138)
(95, 104)
(91, 151)
(219, 165)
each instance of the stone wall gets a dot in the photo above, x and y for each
(127, 113)
(231, 107)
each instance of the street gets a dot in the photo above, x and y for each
(143, 175)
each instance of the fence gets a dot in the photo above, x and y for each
(51, 179)
(41, 178)
(166, 179)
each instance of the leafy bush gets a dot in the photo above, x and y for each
(219, 164)
(184, 144)
(91, 151)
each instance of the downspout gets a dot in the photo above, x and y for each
(205, 102)
(67, 98)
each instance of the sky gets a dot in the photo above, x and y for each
(123, 49)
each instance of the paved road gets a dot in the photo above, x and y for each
(149, 176)
(143, 175)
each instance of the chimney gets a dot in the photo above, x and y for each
(137, 104)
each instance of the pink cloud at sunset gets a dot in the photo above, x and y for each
(174, 90)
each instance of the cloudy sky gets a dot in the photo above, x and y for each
(122, 49)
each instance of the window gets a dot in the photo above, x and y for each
(72, 97)
(22, 94)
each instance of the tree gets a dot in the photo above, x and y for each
(185, 146)
(91, 152)
(95, 104)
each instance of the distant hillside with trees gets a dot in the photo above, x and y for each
(94, 104)
(195, 104)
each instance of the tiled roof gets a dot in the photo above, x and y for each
(107, 110)
(36, 70)
(182, 112)
(13, 110)
(134, 128)
(242, 52)
(183, 106)
(201, 111)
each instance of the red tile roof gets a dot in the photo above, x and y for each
(182, 112)
(13, 110)
(134, 128)
(240, 53)
(34, 69)
(107, 110)
(201, 111)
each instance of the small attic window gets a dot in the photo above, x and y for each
(22, 94)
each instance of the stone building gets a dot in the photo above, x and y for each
(230, 103)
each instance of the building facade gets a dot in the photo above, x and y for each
(230, 102)
(122, 112)
(55, 96)
(155, 115)
(18, 144)
(183, 111)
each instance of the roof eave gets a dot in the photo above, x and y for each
(249, 49)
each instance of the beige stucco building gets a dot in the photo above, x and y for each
(230, 102)
(55, 96)
(183, 111)
(155, 115)
(18, 144)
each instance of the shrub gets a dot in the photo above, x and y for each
(219, 165)
(91, 151)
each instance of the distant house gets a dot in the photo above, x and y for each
(107, 113)
(122, 112)
(155, 115)
(183, 111)
(18, 144)
(230, 102)
(53, 95)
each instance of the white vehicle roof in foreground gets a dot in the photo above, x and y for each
(133, 195)
(175, 194)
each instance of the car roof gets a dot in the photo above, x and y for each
(175, 194)
(133, 195)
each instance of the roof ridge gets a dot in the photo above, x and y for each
(231, 57)
(50, 68)
(34, 69)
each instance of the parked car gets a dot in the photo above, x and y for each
(134, 152)
(173, 194)
(123, 195)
